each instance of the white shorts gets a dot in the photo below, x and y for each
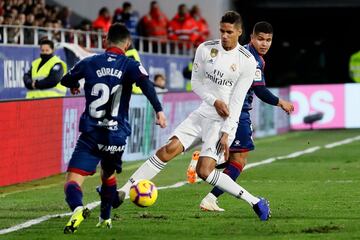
(197, 129)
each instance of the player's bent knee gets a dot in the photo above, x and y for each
(203, 173)
(170, 150)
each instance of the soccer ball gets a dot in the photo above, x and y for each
(143, 193)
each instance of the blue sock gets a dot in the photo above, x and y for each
(73, 195)
(233, 170)
(108, 194)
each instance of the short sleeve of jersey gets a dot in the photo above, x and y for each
(135, 72)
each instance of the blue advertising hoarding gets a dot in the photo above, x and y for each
(16, 60)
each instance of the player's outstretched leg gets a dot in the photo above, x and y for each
(74, 195)
(225, 183)
(80, 213)
(262, 209)
(149, 169)
(210, 201)
(233, 169)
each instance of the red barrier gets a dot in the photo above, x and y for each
(31, 140)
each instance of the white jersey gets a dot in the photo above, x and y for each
(223, 75)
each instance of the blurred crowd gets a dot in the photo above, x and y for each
(187, 25)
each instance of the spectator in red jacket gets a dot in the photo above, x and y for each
(183, 26)
(203, 27)
(103, 21)
(155, 23)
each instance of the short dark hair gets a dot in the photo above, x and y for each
(232, 17)
(158, 75)
(103, 10)
(126, 5)
(263, 27)
(46, 41)
(118, 33)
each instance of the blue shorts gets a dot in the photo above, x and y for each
(243, 141)
(92, 148)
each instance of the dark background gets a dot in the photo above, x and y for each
(312, 42)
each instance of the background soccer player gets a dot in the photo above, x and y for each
(261, 39)
(223, 72)
(104, 124)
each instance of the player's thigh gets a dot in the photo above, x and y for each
(210, 137)
(112, 162)
(83, 160)
(189, 131)
(243, 141)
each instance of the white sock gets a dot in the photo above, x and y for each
(225, 183)
(148, 170)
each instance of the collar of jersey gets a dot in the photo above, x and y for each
(229, 51)
(115, 50)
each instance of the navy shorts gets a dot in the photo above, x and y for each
(243, 141)
(92, 148)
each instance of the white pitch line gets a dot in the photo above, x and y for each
(182, 183)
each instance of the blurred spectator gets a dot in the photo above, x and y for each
(103, 21)
(21, 18)
(56, 34)
(354, 67)
(64, 17)
(85, 26)
(187, 75)
(128, 17)
(29, 32)
(155, 23)
(183, 27)
(203, 27)
(40, 19)
(160, 83)
(11, 32)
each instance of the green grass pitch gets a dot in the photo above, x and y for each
(312, 196)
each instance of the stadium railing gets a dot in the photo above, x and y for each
(30, 35)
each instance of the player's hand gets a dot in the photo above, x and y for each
(221, 108)
(75, 91)
(161, 119)
(288, 107)
(223, 146)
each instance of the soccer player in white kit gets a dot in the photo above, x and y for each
(223, 72)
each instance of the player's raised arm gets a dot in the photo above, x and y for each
(238, 95)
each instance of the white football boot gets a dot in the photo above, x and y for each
(209, 203)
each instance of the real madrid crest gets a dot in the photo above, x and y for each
(233, 67)
(214, 52)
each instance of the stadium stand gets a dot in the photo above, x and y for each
(26, 22)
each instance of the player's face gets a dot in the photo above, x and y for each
(261, 42)
(230, 34)
(46, 49)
